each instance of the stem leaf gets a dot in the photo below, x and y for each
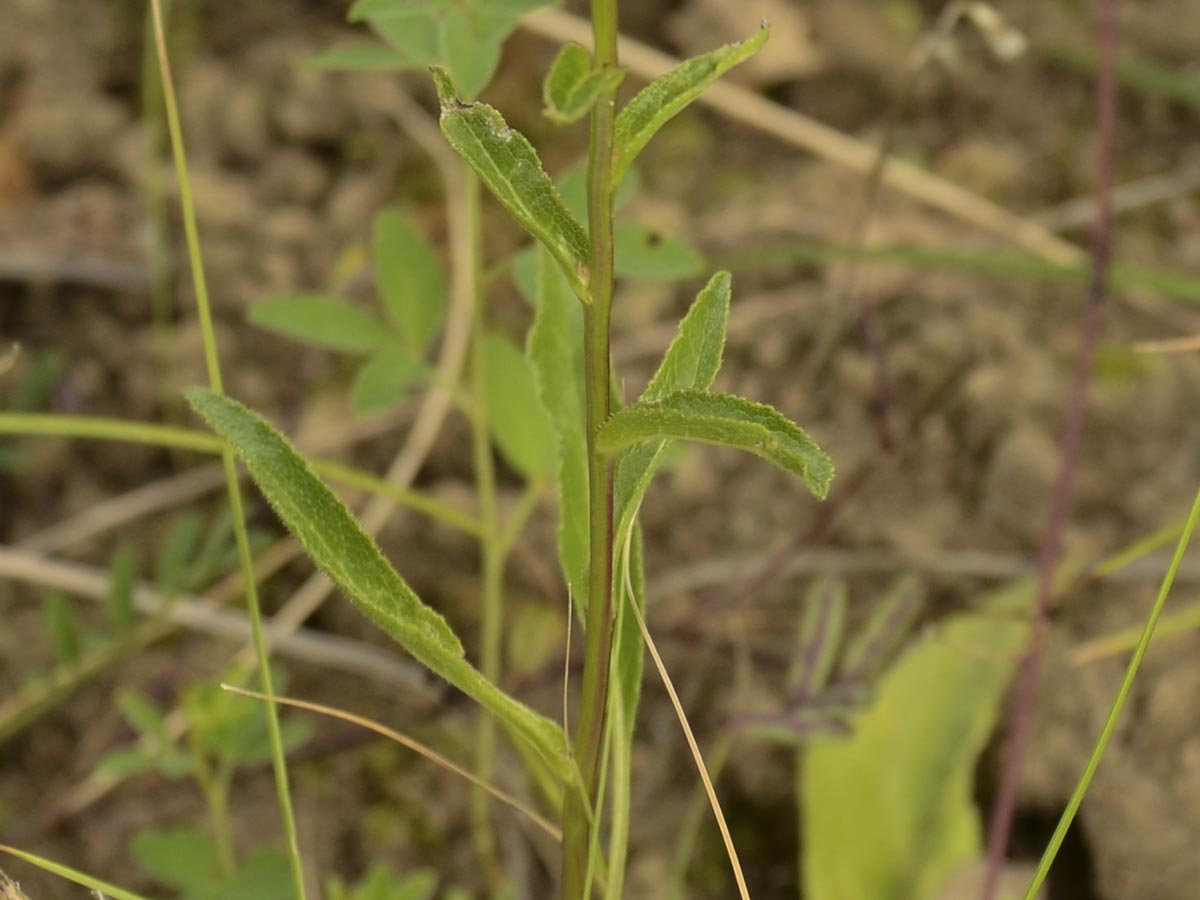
(727, 421)
(663, 98)
(339, 546)
(574, 83)
(507, 163)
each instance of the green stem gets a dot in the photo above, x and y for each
(1114, 714)
(598, 648)
(492, 563)
(216, 797)
(213, 365)
(103, 429)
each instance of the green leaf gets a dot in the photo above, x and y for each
(361, 58)
(507, 163)
(663, 98)
(890, 812)
(384, 380)
(142, 715)
(410, 278)
(122, 575)
(182, 858)
(821, 629)
(321, 321)
(727, 421)
(573, 84)
(336, 543)
(643, 252)
(62, 627)
(411, 26)
(174, 552)
(266, 875)
(126, 762)
(470, 56)
(519, 424)
(556, 351)
(573, 187)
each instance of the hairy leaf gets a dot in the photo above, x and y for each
(322, 322)
(336, 543)
(663, 98)
(411, 282)
(519, 424)
(573, 84)
(727, 421)
(889, 812)
(555, 349)
(507, 163)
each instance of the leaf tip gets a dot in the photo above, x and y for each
(446, 92)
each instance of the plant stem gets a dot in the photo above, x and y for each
(215, 788)
(213, 365)
(1025, 689)
(597, 316)
(492, 564)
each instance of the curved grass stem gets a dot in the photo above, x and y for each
(213, 365)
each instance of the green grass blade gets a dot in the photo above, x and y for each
(662, 99)
(724, 420)
(1114, 714)
(336, 543)
(507, 163)
(111, 892)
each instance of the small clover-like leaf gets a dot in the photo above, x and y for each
(507, 163)
(339, 546)
(519, 424)
(410, 279)
(322, 321)
(574, 83)
(663, 98)
(724, 420)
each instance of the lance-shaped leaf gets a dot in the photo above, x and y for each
(555, 349)
(727, 421)
(507, 163)
(663, 98)
(339, 546)
(574, 83)
(881, 636)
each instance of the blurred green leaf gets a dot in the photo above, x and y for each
(666, 96)
(470, 56)
(182, 858)
(889, 812)
(573, 84)
(385, 379)
(360, 58)
(412, 284)
(63, 628)
(142, 715)
(411, 26)
(322, 322)
(507, 163)
(336, 543)
(876, 641)
(122, 577)
(572, 185)
(556, 351)
(643, 252)
(171, 569)
(822, 627)
(519, 424)
(724, 420)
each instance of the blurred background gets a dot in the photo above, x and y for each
(921, 325)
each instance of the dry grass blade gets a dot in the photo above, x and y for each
(415, 746)
(9, 889)
(1170, 345)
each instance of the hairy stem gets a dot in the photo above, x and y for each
(598, 648)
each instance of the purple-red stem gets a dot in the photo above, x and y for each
(1025, 690)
